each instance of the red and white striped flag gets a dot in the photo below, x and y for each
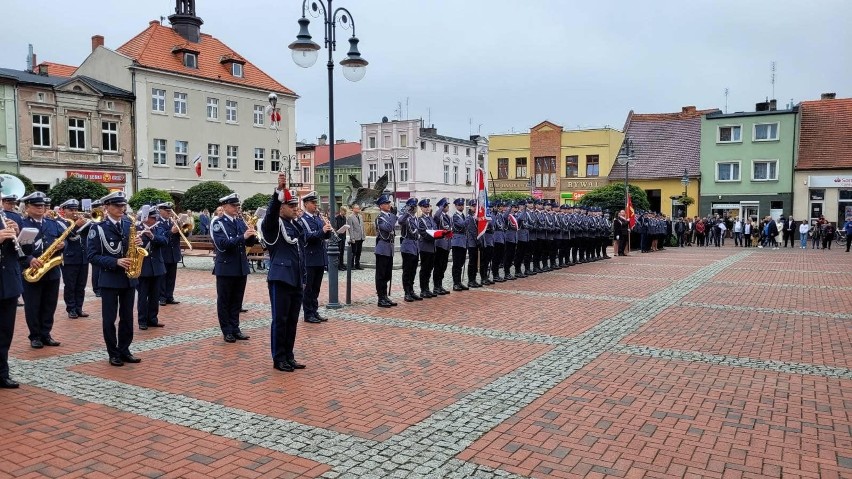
(480, 193)
(197, 164)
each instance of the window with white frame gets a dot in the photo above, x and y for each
(455, 175)
(447, 174)
(275, 160)
(41, 130)
(77, 133)
(455, 149)
(180, 103)
(231, 158)
(730, 134)
(467, 175)
(728, 171)
(467, 151)
(190, 60)
(213, 109)
(237, 70)
(403, 171)
(765, 132)
(258, 115)
(212, 155)
(422, 145)
(372, 168)
(181, 149)
(372, 142)
(387, 142)
(258, 159)
(109, 135)
(306, 174)
(159, 151)
(389, 170)
(446, 148)
(764, 170)
(403, 140)
(230, 111)
(158, 100)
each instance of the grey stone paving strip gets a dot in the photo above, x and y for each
(429, 447)
(753, 309)
(547, 294)
(317, 444)
(613, 276)
(737, 361)
(779, 285)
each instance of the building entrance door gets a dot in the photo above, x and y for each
(751, 212)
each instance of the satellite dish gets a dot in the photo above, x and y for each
(11, 185)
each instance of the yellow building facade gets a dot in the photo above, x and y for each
(552, 163)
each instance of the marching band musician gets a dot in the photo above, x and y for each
(426, 246)
(9, 204)
(40, 297)
(281, 232)
(75, 267)
(317, 231)
(154, 240)
(408, 232)
(385, 234)
(472, 243)
(459, 244)
(109, 243)
(10, 289)
(171, 253)
(96, 270)
(498, 226)
(230, 238)
(442, 245)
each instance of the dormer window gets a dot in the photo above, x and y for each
(190, 60)
(237, 70)
(234, 64)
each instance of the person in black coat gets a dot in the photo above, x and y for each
(153, 270)
(621, 231)
(10, 289)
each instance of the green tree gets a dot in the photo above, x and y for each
(28, 184)
(147, 196)
(254, 202)
(77, 188)
(204, 195)
(508, 195)
(611, 197)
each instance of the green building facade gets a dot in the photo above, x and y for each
(343, 167)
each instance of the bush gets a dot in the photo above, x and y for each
(204, 195)
(28, 184)
(611, 197)
(77, 188)
(254, 202)
(508, 195)
(148, 196)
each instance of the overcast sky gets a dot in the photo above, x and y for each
(496, 66)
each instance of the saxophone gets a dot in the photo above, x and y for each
(136, 254)
(33, 274)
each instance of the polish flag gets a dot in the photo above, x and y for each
(480, 193)
(438, 234)
(197, 164)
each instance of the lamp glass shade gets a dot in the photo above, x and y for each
(354, 73)
(305, 58)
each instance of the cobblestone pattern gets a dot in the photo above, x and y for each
(759, 309)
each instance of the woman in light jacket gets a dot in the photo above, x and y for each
(356, 234)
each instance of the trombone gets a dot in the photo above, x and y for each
(181, 226)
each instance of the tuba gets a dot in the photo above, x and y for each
(33, 274)
(136, 254)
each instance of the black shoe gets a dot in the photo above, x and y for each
(73, 315)
(487, 281)
(321, 318)
(312, 320)
(97, 295)
(229, 338)
(295, 365)
(359, 267)
(283, 366)
(143, 327)
(425, 293)
(114, 361)
(129, 358)
(444, 291)
(36, 344)
(499, 279)
(243, 310)
(242, 337)
(162, 303)
(509, 278)
(416, 296)
(172, 301)
(473, 284)
(438, 291)
(408, 298)
(457, 287)
(48, 341)
(6, 383)
(82, 314)
(392, 302)
(384, 303)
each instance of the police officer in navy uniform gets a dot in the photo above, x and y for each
(441, 221)
(9, 204)
(409, 249)
(40, 297)
(171, 253)
(154, 240)
(510, 234)
(473, 244)
(230, 237)
(75, 267)
(108, 244)
(523, 239)
(385, 234)
(10, 289)
(498, 225)
(281, 232)
(426, 246)
(317, 231)
(486, 251)
(459, 244)
(96, 270)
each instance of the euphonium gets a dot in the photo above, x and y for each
(136, 254)
(33, 274)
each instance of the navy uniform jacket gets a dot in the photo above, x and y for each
(459, 230)
(227, 235)
(313, 240)
(471, 241)
(49, 231)
(385, 232)
(442, 221)
(171, 251)
(10, 269)
(107, 243)
(14, 216)
(74, 252)
(498, 225)
(487, 238)
(286, 263)
(153, 264)
(427, 242)
(408, 232)
(511, 234)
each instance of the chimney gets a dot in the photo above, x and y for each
(34, 63)
(154, 22)
(773, 105)
(339, 142)
(322, 140)
(688, 109)
(824, 96)
(762, 106)
(42, 69)
(97, 41)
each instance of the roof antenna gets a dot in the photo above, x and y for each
(726, 99)
(772, 68)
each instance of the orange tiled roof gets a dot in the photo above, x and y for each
(153, 49)
(59, 70)
(825, 139)
(341, 150)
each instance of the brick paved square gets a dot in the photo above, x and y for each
(368, 380)
(777, 297)
(627, 416)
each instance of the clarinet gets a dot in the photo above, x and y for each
(18, 248)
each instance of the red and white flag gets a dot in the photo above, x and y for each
(438, 234)
(197, 164)
(480, 194)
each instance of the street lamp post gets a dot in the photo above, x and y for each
(684, 181)
(625, 158)
(305, 53)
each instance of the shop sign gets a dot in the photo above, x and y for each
(98, 176)
(582, 184)
(830, 181)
